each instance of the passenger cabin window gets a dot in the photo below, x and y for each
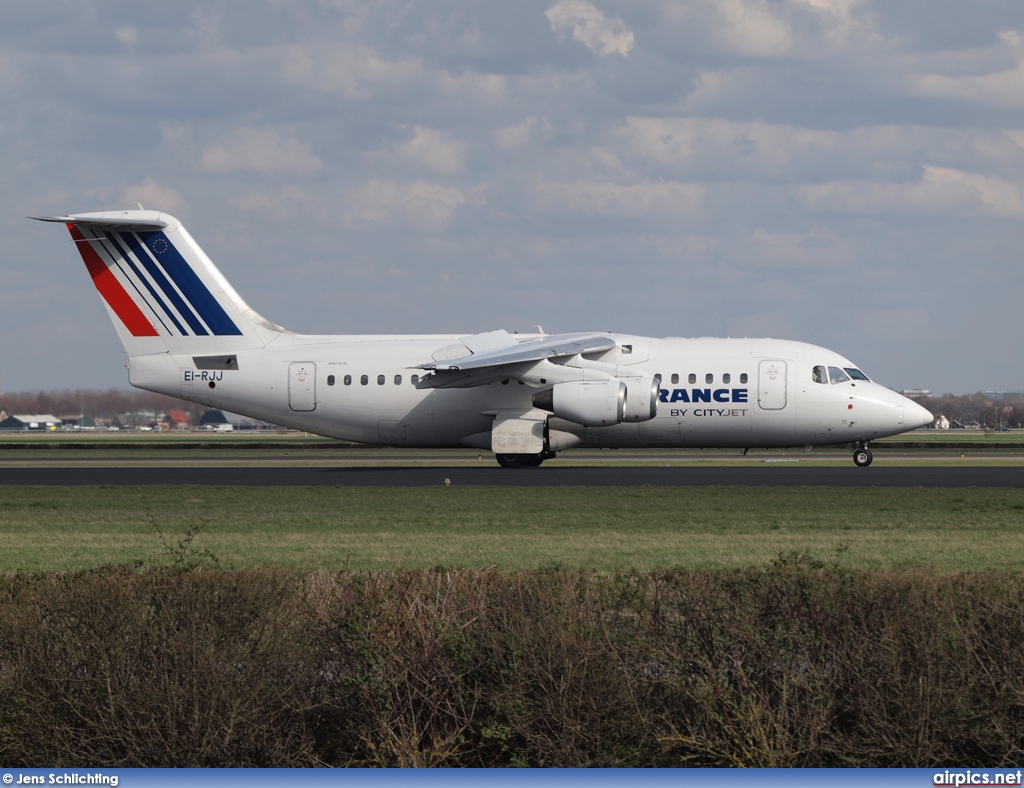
(380, 380)
(348, 380)
(675, 377)
(836, 375)
(709, 378)
(727, 378)
(743, 377)
(855, 373)
(364, 379)
(692, 378)
(398, 380)
(414, 379)
(330, 380)
(818, 375)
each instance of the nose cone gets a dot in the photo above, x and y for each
(915, 416)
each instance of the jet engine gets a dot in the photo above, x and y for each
(602, 403)
(642, 398)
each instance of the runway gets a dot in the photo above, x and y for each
(773, 475)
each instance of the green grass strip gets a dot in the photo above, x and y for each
(74, 528)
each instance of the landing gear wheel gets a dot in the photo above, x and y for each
(862, 457)
(519, 460)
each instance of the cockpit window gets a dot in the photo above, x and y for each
(818, 375)
(836, 375)
(855, 373)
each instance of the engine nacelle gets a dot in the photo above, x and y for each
(642, 395)
(598, 403)
(602, 403)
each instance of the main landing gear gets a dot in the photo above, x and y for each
(862, 455)
(523, 460)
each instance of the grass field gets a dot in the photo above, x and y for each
(644, 528)
(73, 528)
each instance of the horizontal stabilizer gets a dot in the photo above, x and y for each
(119, 221)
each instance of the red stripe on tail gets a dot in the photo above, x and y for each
(111, 290)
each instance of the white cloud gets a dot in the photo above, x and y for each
(286, 199)
(812, 250)
(838, 19)
(348, 71)
(129, 36)
(680, 140)
(710, 86)
(421, 205)
(1003, 88)
(989, 75)
(753, 150)
(584, 22)
(941, 191)
(432, 149)
(749, 27)
(631, 201)
(517, 135)
(261, 150)
(473, 86)
(154, 197)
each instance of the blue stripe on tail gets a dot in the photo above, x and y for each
(146, 259)
(191, 286)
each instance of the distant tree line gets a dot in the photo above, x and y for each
(966, 409)
(95, 404)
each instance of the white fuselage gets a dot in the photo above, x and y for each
(714, 393)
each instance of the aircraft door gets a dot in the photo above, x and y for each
(771, 385)
(302, 386)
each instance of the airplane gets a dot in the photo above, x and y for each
(524, 397)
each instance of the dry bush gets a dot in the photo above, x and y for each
(157, 668)
(792, 664)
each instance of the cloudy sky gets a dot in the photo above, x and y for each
(845, 172)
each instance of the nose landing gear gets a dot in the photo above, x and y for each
(862, 455)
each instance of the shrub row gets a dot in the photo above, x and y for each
(792, 664)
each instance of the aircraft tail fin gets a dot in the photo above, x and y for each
(161, 291)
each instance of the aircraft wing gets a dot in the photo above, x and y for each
(548, 347)
(497, 355)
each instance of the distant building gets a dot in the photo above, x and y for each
(918, 393)
(140, 418)
(78, 422)
(1004, 394)
(21, 421)
(177, 419)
